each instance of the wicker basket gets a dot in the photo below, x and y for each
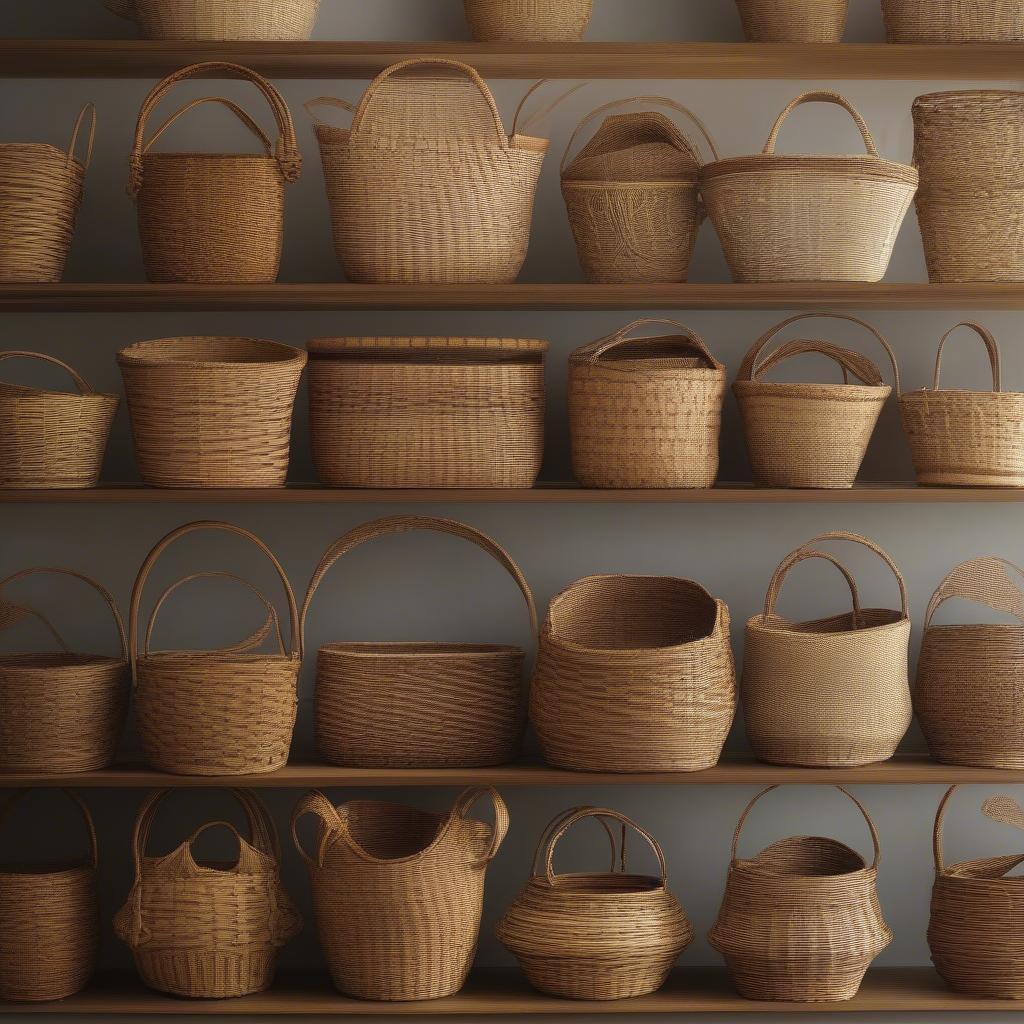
(418, 705)
(398, 892)
(427, 412)
(634, 674)
(211, 412)
(52, 439)
(645, 412)
(220, 19)
(49, 921)
(832, 692)
(528, 21)
(208, 929)
(631, 194)
(40, 192)
(800, 922)
(953, 21)
(810, 435)
(793, 21)
(966, 438)
(59, 712)
(222, 712)
(808, 218)
(213, 218)
(608, 935)
(969, 148)
(426, 187)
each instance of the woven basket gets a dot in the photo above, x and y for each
(969, 148)
(427, 412)
(634, 674)
(398, 892)
(608, 935)
(632, 196)
(59, 712)
(645, 412)
(808, 218)
(793, 21)
(49, 921)
(40, 192)
(426, 187)
(208, 929)
(221, 712)
(832, 692)
(800, 922)
(52, 439)
(953, 21)
(966, 438)
(211, 412)
(220, 19)
(810, 435)
(213, 218)
(528, 21)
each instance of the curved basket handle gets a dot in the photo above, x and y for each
(821, 96)
(990, 346)
(848, 360)
(536, 118)
(1003, 809)
(80, 383)
(795, 557)
(219, 823)
(89, 108)
(314, 802)
(464, 803)
(689, 340)
(90, 826)
(984, 581)
(618, 861)
(242, 115)
(326, 101)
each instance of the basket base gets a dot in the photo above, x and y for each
(779, 981)
(202, 974)
(968, 480)
(819, 754)
(596, 979)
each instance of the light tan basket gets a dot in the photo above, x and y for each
(808, 218)
(810, 435)
(213, 218)
(832, 692)
(608, 935)
(966, 438)
(528, 21)
(645, 412)
(40, 193)
(426, 187)
(953, 21)
(634, 674)
(801, 922)
(427, 412)
(793, 21)
(398, 892)
(49, 920)
(259, 20)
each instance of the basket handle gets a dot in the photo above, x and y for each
(689, 340)
(80, 383)
(464, 804)
(618, 861)
(990, 346)
(545, 111)
(314, 802)
(986, 581)
(235, 109)
(1003, 809)
(821, 96)
(89, 108)
(90, 827)
(794, 558)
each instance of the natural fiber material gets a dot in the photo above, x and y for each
(645, 412)
(208, 929)
(222, 712)
(607, 935)
(220, 19)
(634, 674)
(808, 218)
(59, 712)
(427, 412)
(213, 218)
(528, 21)
(52, 439)
(810, 435)
(211, 412)
(801, 922)
(418, 705)
(793, 21)
(953, 21)
(398, 892)
(969, 148)
(49, 921)
(426, 187)
(832, 692)
(966, 438)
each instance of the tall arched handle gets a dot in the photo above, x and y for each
(990, 347)
(80, 382)
(687, 340)
(794, 558)
(90, 139)
(1003, 809)
(316, 803)
(258, 133)
(821, 96)
(463, 805)
(618, 853)
(984, 581)
(19, 795)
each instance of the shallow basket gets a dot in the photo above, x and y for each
(793, 21)
(528, 21)
(953, 21)
(257, 20)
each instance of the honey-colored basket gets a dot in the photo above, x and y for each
(953, 21)
(793, 21)
(528, 21)
(256, 20)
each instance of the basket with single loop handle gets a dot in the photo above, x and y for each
(953, 21)
(528, 21)
(256, 20)
(793, 21)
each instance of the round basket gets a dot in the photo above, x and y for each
(808, 218)
(528, 21)
(953, 21)
(810, 435)
(793, 21)
(645, 412)
(258, 20)
(832, 692)
(801, 922)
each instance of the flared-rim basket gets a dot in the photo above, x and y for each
(214, 351)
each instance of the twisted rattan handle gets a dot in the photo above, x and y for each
(985, 581)
(314, 802)
(794, 558)
(821, 96)
(618, 861)
(89, 108)
(1003, 809)
(464, 803)
(687, 339)
(990, 346)
(80, 383)
(90, 826)
(235, 109)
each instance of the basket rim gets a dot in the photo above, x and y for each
(62, 871)
(419, 648)
(132, 355)
(867, 390)
(84, 660)
(646, 885)
(215, 656)
(183, 155)
(414, 342)
(959, 94)
(662, 183)
(757, 622)
(61, 154)
(961, 393)
(812, 162)
(23, 392)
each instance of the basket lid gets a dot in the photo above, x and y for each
(429, 349)
(642, 146)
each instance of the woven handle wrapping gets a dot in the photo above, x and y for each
(1003, 809)
(90, 109)
(9, 804)
(990, 346)
(687, 340)
(821, 96)
(771, 596)
(80, 383)
(986, 581)
(618, 852)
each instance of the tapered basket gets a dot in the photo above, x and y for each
(953, 21)
(793, 21)
(528, 21)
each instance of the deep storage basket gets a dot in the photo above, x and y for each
(418, 705)
(427, 412)
(528, 21)
(793, 21)
(808, 218)
(257, 20)
(810, 435)
(213, 218)
(953, 21)
(49, 921)
(208, 929)
(211, 412)
(426, 187)
(40, 192)
(398, 892)
(832, 692)
(598, 935)
(645, 412)
(634, 674)
(800, 922)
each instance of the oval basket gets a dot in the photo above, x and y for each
(793, 21)
(528, 21)
(260, 20)
(953, 21)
